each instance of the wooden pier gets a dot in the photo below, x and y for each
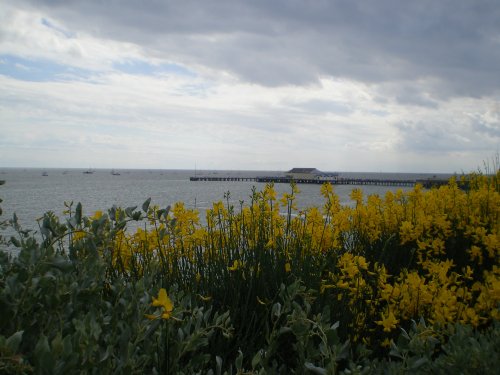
(219, 178)
(334, 181)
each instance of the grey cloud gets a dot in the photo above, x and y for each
(488, 124)
(444, 137)
(491, 130)
(295, 42)
(408, 93)
(325, 106)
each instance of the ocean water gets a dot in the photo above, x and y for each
(31, 192)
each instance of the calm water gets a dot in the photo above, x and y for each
(29, 193)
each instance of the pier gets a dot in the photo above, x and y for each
(334, 181)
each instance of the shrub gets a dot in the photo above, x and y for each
(325, 290)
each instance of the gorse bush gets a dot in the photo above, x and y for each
(261, 287)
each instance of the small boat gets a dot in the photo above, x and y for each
(88, 171)
(44, 174)
(115, 173)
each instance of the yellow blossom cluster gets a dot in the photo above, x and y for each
(421, 253)
(165, 303)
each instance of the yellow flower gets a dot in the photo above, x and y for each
(78, 235)
(406, 232)
(389, 322)
(357, 196)
(288, 268)
(386, 343)
(236, 265)
(165, 303)
(324, 286)
(97, 215)
(476, 252)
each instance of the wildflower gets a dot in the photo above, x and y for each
(270, 243)
(357, 196)
(386, 343)
(204, 299)
(261, 302)
(361, 262)
(406, 232)
(492, 242)
(78, 235)
(236, 265)
(269, 193)
(165, 303)
(389, 322)
(475, 252)
(325, 286)
(285, 199)
(288, 268)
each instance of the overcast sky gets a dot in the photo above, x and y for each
(387, 85)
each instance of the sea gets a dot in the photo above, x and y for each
(30, 192)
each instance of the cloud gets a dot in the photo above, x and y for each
(338, 85)
(29, 34)
(488, 123)
(456, 44)
(441, 136)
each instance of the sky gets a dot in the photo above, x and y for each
(338, 85)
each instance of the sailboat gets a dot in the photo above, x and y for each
(88, 171)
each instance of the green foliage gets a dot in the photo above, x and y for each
(299, 340)
(458, 350)
(3, 223)
(244, 299)
(75, 318)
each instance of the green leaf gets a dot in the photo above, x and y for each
(61, 263)
(276, 310)
(317, 370)
(159, 213)
(43, 357)
(72, 222)
(180, 334)
(284, 330)
(57, 344)
(67, 346)
(418, 363)
(112, 213)
(78, 213)
(218, 360)
(45, 232)
(15, 241)
(14, 341)
(121, 225)
(104, 355)
(129, 211)
(239, 361)
(145, 205)
(256, 359)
